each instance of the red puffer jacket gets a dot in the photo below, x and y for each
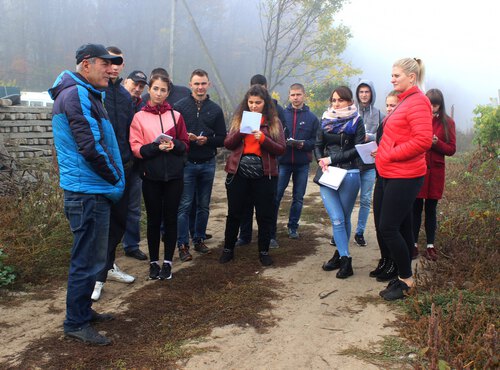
(407, 136)
(270, 149)
(434, 179)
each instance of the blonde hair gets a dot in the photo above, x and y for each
(412, 65)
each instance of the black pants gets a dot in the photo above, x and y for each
(161, 200)
(396, 211)
(117, 227)
(430, 218)
(262, 192)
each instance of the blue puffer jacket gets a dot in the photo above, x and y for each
(87, 150)
(301, 124)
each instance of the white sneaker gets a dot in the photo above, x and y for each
(96, 294)
(117, 275)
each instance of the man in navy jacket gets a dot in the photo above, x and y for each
(301, 126)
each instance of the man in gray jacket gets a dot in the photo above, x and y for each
(372, 118)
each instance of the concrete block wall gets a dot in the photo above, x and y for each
(26, 132)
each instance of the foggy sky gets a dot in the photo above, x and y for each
(458, 43)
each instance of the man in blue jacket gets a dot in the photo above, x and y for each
(301, 126)
(91, 174)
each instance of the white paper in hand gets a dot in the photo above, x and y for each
(333, 177)
(250, 121)
(365, 151)
(162, 138)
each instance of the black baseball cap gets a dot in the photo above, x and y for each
(138, 76)
(88, 51)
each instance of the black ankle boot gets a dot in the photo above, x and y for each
(390, 272)
(345, 267)
(381, 265)
(333, 263)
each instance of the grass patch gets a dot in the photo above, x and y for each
(391, 352)
(164, 316)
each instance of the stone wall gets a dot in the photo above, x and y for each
(26, 132)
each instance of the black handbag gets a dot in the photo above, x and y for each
(250, 167)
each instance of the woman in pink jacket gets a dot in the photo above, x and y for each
(158, 137)
(401, 165)
(443, 143)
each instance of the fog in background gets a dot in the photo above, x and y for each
(457, 42)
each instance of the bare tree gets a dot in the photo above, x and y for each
(300, 40)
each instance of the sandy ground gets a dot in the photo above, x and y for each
(310, 332)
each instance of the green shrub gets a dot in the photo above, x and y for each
(487, 128)
(7, 275)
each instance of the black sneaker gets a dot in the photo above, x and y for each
(226, 256)
(360, 240)
(265, 259)
(242, 242)
(398, 290)
(332, 242)
(184, 254)
(88, 335)
(154, 271)
(388, 287)
(200, 247)
(100, 317)
(137, 254)
(165, 272)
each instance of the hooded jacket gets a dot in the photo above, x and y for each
(372, 117)
(300, 124)
(87, 151)
(407, 136)
(156, 164)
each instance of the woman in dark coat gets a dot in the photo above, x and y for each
(443, 143)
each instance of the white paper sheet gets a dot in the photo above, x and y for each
(250, 121)
(365, 151)
(333, 177)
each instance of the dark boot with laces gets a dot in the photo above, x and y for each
(333, 263)
(345, 269)
(380, 267)
(265, 258)
(390, 272)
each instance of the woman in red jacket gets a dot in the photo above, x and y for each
(252, 171)
(400, 163)
(443, 143)
(159, 138)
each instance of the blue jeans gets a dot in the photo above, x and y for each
(339, 204)
(367, 178)
(88, 216)
(198, 180)
(132, 235)
(300, 175)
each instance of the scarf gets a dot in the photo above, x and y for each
(341, 120)
(157, 109)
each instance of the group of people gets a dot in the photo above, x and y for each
(114, 143)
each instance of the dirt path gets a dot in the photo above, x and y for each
(310, 332)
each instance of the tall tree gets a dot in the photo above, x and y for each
(300, 40)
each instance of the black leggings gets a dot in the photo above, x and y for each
(430, 218)
(242, 195)
(162, 201)
(396, 209)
